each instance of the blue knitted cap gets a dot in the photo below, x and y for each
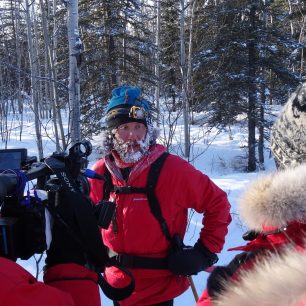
(126, 105)
(127, 95)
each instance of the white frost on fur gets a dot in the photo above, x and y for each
(275, 200)
(123, 149)
(278, 281)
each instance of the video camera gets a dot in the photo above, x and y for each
(22, 221)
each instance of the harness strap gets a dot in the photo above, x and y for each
(129, 189)
(108, 184)
(138, 262)
(152, 199)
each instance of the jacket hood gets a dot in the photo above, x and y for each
(275, 200)
(278, 280)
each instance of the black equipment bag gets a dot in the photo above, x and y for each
(90, 235)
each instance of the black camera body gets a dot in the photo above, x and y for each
(22, 228)
(22, 220)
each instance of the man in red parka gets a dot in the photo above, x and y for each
(67, 282)
(149, 222)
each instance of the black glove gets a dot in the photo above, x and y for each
(190, 260)
(250, 235)
(218, 279)
(65, 245)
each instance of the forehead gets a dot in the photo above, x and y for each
(131, 125)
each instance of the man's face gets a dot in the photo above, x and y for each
(130, 141)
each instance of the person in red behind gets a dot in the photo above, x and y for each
(274, 209)
(67, 282)
(147, 230)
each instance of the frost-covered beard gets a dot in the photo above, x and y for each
(126, 152)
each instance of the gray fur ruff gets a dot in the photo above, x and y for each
(288, 138)
(275, 199)
(278, 280)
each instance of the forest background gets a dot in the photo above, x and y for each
(217, 72)
(226, 60)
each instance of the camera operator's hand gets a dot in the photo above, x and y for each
(65, 245)
(217, 280)
(191, 260)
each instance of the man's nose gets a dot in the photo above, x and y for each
(132, 135)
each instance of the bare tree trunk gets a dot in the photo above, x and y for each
(111, 55)
(33, 83)
(190, 51)
(16, 23)
(74, 76)
(252, 97)
(184, 81)
(291, 23)
(53, 61)
(157, 64)
(261, 124)
(51, 74)
(38, 79)
(4, 112)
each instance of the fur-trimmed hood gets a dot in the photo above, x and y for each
(274, 200)
(278, 280)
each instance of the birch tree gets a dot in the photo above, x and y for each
(34, 89)
(50, 50)
(184, 81)
(75, 48)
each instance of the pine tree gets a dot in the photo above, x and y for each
(238, 57)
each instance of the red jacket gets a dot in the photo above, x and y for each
(19, 288)
(294, 235)
(180, 186)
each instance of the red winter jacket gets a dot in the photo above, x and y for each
(294, 235)
(180, 186)
(19, 288)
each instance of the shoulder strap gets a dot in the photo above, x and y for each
(153, 201)
(108, 184)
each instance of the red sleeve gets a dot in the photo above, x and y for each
(216, 217)
(37, 294)
(205, 197)
(97, 186)
(19, 287)
(76, 280)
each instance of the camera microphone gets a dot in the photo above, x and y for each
(92, 174)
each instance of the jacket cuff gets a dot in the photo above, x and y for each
(211, 257)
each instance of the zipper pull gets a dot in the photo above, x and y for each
(114, 222)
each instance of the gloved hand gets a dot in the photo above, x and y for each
(191, 260)
(250, 235)
(217, 280)
(65, 246)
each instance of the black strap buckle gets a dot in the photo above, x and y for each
(124, 260)
(129, 189)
